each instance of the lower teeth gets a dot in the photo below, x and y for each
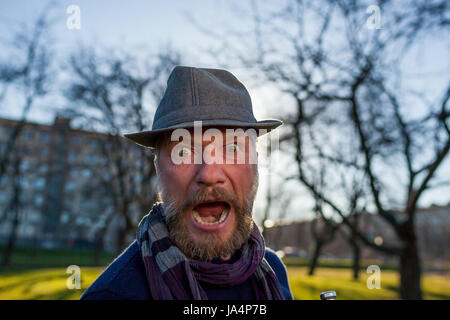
(199, 219)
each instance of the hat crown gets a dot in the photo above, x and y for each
(213, 96)
(202, 94)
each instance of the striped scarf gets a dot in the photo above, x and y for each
(171, 275)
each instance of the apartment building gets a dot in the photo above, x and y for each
(65, 181)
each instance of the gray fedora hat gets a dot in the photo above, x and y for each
(213, 96)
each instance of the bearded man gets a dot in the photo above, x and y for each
(200, 241)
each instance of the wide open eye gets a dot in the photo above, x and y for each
(232, 148)
(184, 152)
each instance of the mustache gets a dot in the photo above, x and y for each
(218, 193)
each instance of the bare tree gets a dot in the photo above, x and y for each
(107, 93)
(26, 71)
(323, 231)
(277, 196)
(342, 79)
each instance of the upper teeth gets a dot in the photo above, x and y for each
(200, 220)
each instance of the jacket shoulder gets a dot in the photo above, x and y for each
(280, 271)
(123, 279)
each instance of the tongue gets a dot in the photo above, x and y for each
(210, 209)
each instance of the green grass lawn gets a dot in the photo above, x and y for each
(52, 284)
(339, 280)
(41, 274)
(43, 284)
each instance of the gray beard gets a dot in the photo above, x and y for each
(209, 245)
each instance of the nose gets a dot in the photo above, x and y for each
(210, 175)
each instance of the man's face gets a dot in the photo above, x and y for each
(208, 204)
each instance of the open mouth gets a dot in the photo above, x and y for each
(211, 213)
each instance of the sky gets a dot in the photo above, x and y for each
(140, 25)
(149, 25)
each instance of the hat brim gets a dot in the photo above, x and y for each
(148, 138)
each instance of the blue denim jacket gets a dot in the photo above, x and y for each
(124, 279)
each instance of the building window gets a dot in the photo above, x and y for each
(35, 216)
(45, 137)
(43, 169)
(87, 173)
(44, 152)
(95, 144)
(75, 140)
(39, 183)
(38, 200)
(70, 186)
(27, 134)
(90, 159)
(24, 166)
(25, 183)
(65, 217)
(72, 156)
(74, 173)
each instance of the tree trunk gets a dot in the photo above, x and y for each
(277, 237)
(315, 258)
(98, 249)
(264, 232)
(6, 259)
(410, 273)
(15, 208)
(356, 260)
